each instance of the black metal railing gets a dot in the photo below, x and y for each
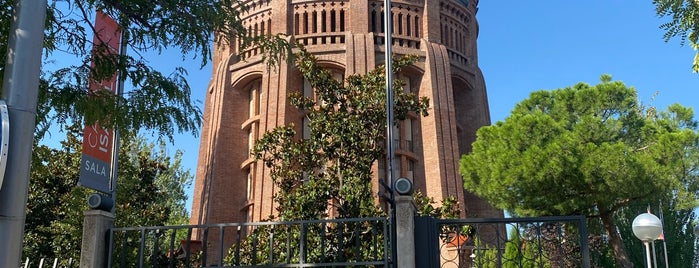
(313, 243)
(503, 242)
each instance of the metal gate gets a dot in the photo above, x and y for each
(502, 242)
(314, 243)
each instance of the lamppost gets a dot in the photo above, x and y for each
(647, 227)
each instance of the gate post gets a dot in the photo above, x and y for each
(405, 231)
(427, 241)
(93, 253)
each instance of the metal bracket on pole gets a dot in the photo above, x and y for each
(4, 138)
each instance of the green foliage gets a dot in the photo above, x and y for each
(332, 168)
(155, 101)
(587, 150)
(684, 23)
(449, 208)
(522, 253)
(323, 242)
(150, 191)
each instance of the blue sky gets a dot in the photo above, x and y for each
(532, 45)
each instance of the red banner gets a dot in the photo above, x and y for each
(96, 163)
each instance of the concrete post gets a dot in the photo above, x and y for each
(405, 231)
(93, 253)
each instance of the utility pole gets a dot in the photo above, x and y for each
(20, 89)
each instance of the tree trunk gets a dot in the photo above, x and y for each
(622, 259)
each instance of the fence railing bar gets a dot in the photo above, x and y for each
(340, 240)
(156, 246)
(323, 226)
(304, 231)
(123, 249)
(288, 244)
(110, 248)
(188, 248)
(204, 248)
(498, 245)
(221, 232)
(584, 246)
(171, 250)
(357, 239)
(299, 222)
(271, 245)
(237, 248)
(254, 247)
(374, 241)
(141, 248)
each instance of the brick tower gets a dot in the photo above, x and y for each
(245, 99)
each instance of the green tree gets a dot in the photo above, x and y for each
(586, 150)
(684, 23)
(156, 101)
(150, 191)
(347, 124)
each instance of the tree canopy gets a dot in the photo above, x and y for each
(586, 150)
(684, 23)
(155, 101)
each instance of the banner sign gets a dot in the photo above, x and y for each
(96, 163)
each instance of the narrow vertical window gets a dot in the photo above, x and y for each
(333, 22)
(408, 134)
(323, 21)
(306, 131)
(251, 140)
(248, 184)
(342, 20)
(307, 89)
(372, 26)
(417, 27)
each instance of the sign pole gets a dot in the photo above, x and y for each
(20, 90)
(115, 141)
(390, 155)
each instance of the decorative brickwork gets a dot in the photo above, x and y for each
(245, 98)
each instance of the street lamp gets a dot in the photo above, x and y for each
(647, 227)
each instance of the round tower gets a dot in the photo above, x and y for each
(245, 98)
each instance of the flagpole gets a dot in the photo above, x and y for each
(390, 156)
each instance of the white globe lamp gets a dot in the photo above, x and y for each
(647, 227)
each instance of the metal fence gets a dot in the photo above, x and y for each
(314, 243)
(49, 263)
(502, 242)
